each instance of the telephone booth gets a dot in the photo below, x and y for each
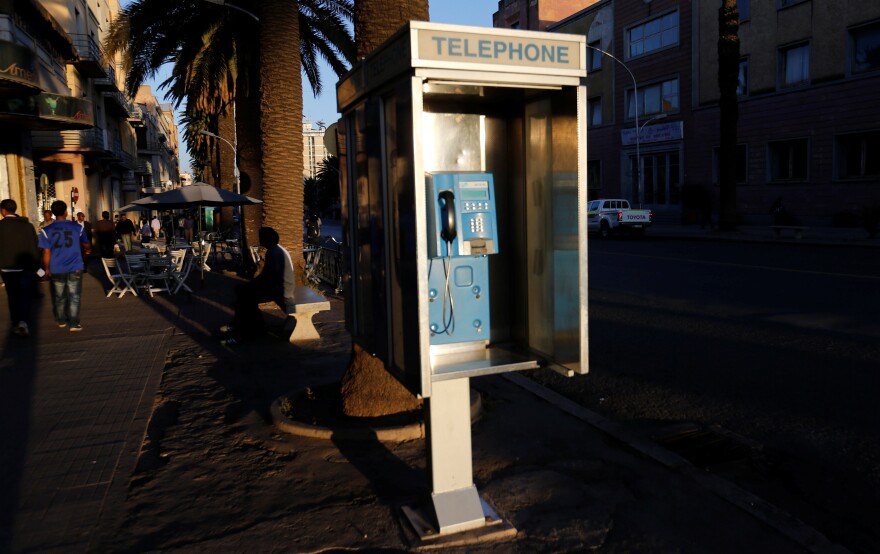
(464, 163)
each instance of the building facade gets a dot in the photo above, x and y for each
(35, 56)
(157, 168)
(535, 15)
(314, 150)
(75, 133)
(808, 129)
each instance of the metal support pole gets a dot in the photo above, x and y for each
(457, 504)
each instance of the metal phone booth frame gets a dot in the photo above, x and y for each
(449, 99)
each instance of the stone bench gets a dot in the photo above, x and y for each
(797, 229)
(305, 303)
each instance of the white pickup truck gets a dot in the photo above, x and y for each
(615, 215)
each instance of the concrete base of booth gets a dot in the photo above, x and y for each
(491, 527)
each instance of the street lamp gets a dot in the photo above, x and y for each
(234, 157)
(636, 102)
(233, 6)
(235, 177)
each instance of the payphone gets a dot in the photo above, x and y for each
(462, 232)
(433, 121)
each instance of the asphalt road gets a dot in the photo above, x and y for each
(779, 344)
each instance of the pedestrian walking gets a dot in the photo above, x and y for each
(105, 235)
(156, 226)
(19, 259)
(62, 261)
(87, 227)
(47, 218)
(313, 229)
(125, 229)
(188, 225)
(146, 233)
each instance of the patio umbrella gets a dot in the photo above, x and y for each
(198, 194)
(133, 208)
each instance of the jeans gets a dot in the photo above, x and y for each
(66, 290)
(20, 291)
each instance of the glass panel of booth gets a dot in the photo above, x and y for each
(535, 175)
(517, 148)
(551, 158)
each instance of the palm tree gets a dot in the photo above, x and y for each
(215, 63)
(368, 389)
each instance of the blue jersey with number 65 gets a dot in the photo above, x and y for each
(63, 238)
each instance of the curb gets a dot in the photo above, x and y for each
(807, 537)
(401, 433)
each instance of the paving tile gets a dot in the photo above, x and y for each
(84, 413)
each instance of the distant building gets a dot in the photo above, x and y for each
(314, 150)
(809, 120)
(69, 131)
(535, 15)
(186, 179)
(158, 167)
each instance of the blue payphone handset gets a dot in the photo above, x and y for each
(462, 232)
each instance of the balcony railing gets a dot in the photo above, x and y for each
(143, 167)
(86, 140)
(107, 82)
(118, 101)
(91, 56)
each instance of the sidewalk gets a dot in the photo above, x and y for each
(142, 433)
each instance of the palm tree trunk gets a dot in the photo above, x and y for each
(368, 389)
(226, 129)
(247, 123)
(281, 124)
(376, 20)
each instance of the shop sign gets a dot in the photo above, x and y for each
(661, 132)
(50, 106)
(18, 64)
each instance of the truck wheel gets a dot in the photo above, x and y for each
(604, 230)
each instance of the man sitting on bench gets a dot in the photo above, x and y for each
(275, 283)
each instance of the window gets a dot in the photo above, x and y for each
(594, 57)
(653, 35)
(594, 107)
(594, 179)
(865, 54)
(742, 7)
(858, 155)
(742, 85)
(653, 99)
(794, 65)
(741, 165)
(788, 160)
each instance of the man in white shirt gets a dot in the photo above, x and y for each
(156, 225)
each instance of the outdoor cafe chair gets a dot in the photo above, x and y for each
(137, 268)
(179, 276)
(158, 272)
(122, 282)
